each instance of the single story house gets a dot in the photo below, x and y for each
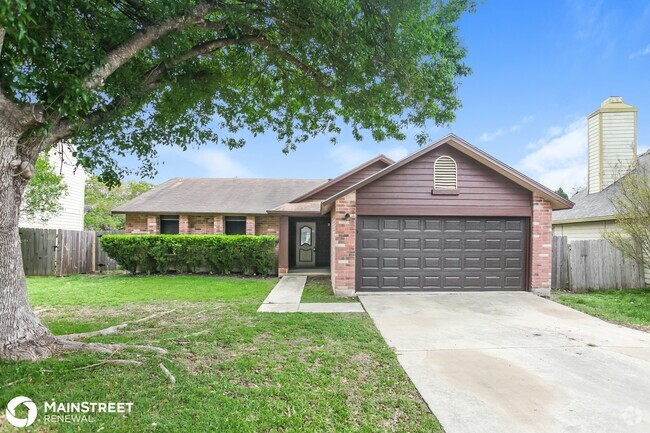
(449, 217)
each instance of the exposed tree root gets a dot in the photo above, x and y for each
(168, 373)
(109, 361)
(113, 329)
(64, 345)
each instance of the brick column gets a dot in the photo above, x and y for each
(218, 225)
(153, 224)
(250, 224)
(541, 246)
(343, 245)
(283, 246)
(183, 224)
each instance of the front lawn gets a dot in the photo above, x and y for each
(319, 289)
(236, 370)
(629, 307)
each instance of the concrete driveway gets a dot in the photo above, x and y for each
(514, 362)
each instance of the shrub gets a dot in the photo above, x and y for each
(221, 254)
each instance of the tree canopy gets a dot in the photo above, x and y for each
(41, 201)
(561, 193)
(119, 77)
(123, 77)
(101, 200)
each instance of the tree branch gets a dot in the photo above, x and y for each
(2, 38)
(63, 127)
(272, 48)
(139, 42)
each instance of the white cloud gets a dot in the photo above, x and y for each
(217, 163)
(643, 52)
(349, 156)
(489, 136)
(560, 158)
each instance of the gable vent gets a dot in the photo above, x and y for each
(445, 173)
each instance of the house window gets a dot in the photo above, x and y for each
(235, 225)
(445, 174)
(169, 224)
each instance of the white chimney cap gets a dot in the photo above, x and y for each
(612, 100)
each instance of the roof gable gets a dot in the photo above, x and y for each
(346, 180)
(461, 145)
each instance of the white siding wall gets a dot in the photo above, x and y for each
(72, 215)
(583, 231)
(618, 144)
(594, 153)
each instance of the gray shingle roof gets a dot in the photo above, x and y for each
(212, 195)
(595, 205)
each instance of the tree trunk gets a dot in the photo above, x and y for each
(22, 335)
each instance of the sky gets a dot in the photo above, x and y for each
(538, 69)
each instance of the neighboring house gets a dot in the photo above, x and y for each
(71, 216)
(612, 143)
(612, 150)
(448, 217)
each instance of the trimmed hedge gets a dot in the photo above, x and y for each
(221, 254)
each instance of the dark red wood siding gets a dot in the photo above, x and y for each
(348, 181)
(407, 191)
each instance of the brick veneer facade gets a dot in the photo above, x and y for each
(267, 225)
(201, 225)
(343, 245)
(218, 225)
(139, 223)
(250, 224)
(541, 246)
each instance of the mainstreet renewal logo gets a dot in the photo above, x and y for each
(11, 412)
(61, 412)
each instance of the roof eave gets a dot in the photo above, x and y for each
(584, 220)
(379, 158)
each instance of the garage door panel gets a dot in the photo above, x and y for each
(390, 281)
(370, 262)
(412, 244)
(441, 254)
(390, 244)
(390, 224)
(370, 224)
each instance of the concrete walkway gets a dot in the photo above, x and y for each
(517, 363)
(285, 298)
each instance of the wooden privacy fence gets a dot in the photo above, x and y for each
(592, 264)
(63, 252)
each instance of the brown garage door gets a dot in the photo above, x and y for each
(441, 254)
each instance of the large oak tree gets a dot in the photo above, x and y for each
(122, 77)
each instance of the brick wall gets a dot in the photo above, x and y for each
(183, 224)
(139, 223)
(218, 225)
(541, 246)
(200, 225)
(343, 245)
(153, 224)
(250, 224)
(267, 225)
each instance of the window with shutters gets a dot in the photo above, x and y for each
(445, 174)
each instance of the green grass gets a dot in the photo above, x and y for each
(236, 370)
(628, 307)
(319, 289)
